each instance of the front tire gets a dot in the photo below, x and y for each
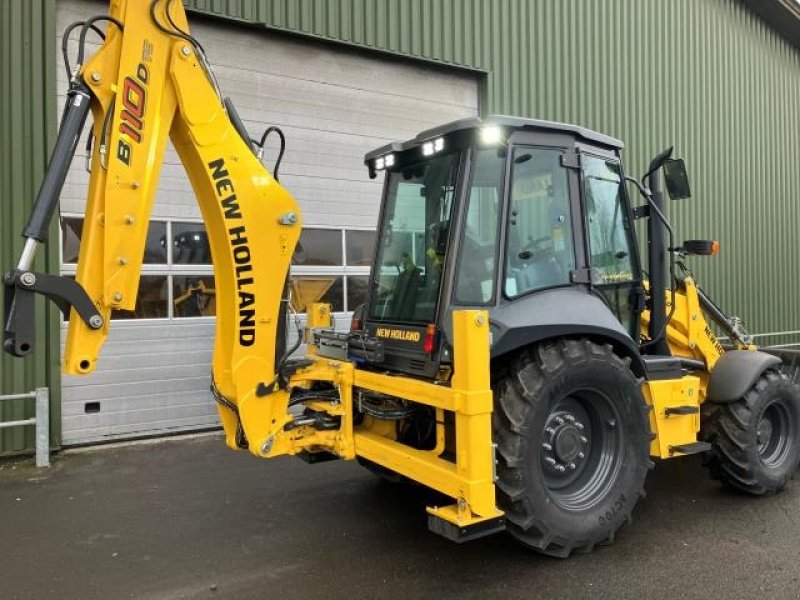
(573, 437)
(756, 439)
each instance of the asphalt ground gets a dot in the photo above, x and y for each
(188, 518)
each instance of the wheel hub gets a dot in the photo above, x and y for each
(773, 434)
(565, 443)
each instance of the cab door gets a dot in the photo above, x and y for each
(611, 245)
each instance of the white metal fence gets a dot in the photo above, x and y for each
(41, 420)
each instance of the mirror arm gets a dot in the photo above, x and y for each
(657, 163)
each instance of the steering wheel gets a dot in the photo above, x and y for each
(536, 250)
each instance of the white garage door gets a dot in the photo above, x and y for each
(334, 105)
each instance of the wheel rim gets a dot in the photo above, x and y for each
(773, 434)
(581, 449)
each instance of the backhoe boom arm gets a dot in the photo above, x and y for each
(147, 83)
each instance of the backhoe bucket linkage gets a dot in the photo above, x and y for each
(21, 287)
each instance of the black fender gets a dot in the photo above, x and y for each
(558, 313)
(735, 372)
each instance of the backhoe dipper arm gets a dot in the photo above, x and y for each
(150, 81)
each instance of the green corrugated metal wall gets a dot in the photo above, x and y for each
(27, 128)
(706, 75)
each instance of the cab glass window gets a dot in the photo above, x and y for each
(477, 264)
(540, 251)
(414, 240)
(610, 241)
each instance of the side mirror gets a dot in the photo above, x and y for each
(677, 179)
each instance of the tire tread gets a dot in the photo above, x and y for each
(515, 398)
(728, 429)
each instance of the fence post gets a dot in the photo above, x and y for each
(42, 427)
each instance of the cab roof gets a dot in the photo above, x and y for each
(516, 123)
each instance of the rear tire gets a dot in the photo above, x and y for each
(756, 439)
(573, 438)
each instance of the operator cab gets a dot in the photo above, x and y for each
(527, 219)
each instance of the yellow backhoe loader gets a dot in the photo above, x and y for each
(510, 353)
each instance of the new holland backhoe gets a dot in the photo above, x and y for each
(511, 353)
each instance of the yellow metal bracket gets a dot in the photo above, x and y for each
(470, 478)
(670, 418)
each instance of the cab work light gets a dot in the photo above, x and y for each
(491, 135)
(384, 162)
(433, 146)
